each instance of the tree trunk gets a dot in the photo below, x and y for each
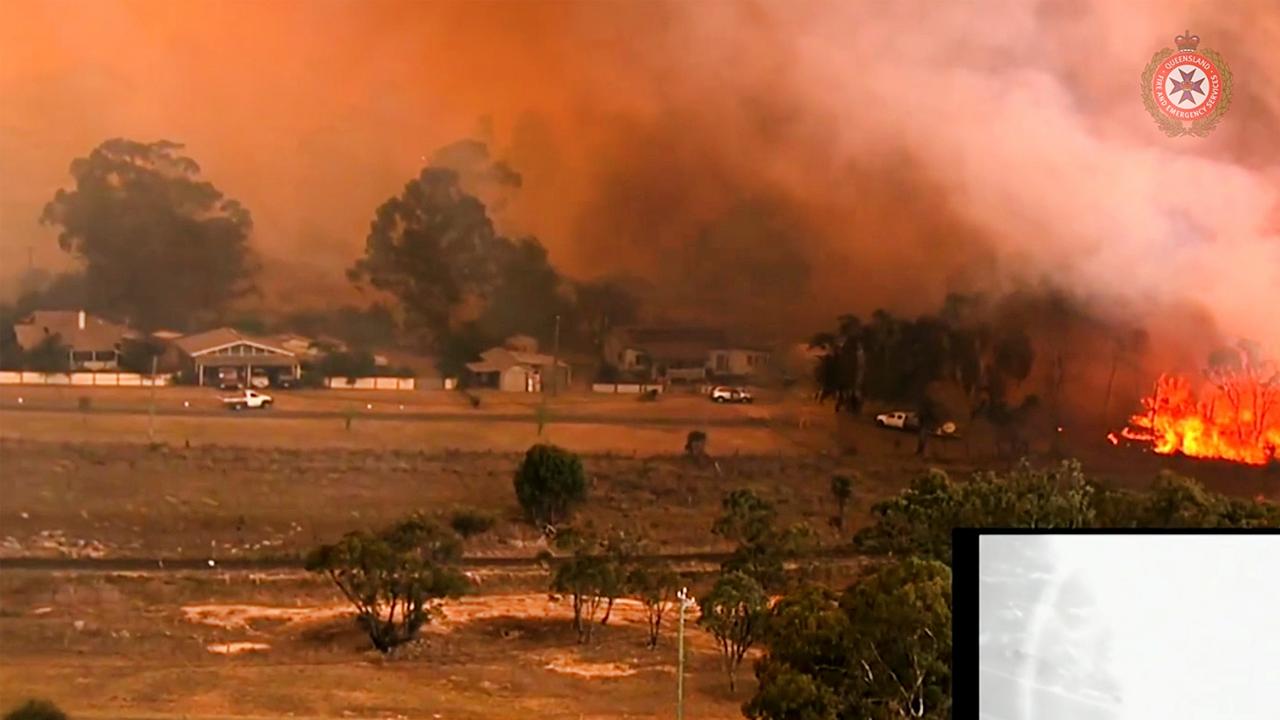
(1111, 379)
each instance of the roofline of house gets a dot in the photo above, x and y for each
(243, 341)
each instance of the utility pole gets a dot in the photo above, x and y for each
(555, 361)
(685, 603)
(151, 420)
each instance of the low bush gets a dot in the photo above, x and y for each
(36, 710)
(469, 523)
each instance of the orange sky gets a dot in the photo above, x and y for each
(914, 147)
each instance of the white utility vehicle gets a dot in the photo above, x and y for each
(248, 399)
(903, 420)
(899, 420)
(724, 393)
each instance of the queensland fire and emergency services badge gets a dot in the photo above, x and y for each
(1187, 90)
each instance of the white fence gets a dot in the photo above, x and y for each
(84, 379)
(370, 383)
(624, 388)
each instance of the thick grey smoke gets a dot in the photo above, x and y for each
(839, 156)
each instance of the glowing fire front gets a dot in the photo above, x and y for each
(1237, 419)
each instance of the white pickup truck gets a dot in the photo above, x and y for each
(247, 399)
(910, 421)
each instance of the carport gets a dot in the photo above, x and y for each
(208, 353)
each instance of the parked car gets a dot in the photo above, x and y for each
(229, 378)
(724, 393)
(248, 399)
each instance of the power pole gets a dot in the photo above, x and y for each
(685, 603)
(555, 361)
(151, 419)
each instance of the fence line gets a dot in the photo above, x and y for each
(625, 388)
(84, 379)
(370, 383)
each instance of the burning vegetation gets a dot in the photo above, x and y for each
(1235, 416)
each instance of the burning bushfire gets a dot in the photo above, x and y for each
(1236, 417)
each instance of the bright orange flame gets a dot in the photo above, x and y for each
(1238, 420)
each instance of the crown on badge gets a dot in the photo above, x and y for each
(1187, 41)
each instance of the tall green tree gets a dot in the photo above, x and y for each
(763, 548)
(593, 574)
(920, 519)
(462, 287)
(733, 611)
(161, 247)
(880, 651)
(433, 248)
(900, 624)
(655, 584)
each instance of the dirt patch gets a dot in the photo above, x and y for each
(568, 665)
(236, 648)
(241, 617)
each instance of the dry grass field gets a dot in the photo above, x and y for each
(683, 403)
(133, 647)
(215, 501)
(216, 485)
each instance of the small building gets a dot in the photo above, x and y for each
(93, 344)
(227, 356)
(516, 371)
(738, 362)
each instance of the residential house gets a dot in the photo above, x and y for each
(663, 352)
(517, 371)
(93, 344)
(738, 362)
(225, 356)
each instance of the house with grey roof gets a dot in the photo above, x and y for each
(227, 357)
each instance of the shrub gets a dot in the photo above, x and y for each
(841, 492)
(549, 483)
(469, 523)
(392, 576)
(36, 710)
(695, 445)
